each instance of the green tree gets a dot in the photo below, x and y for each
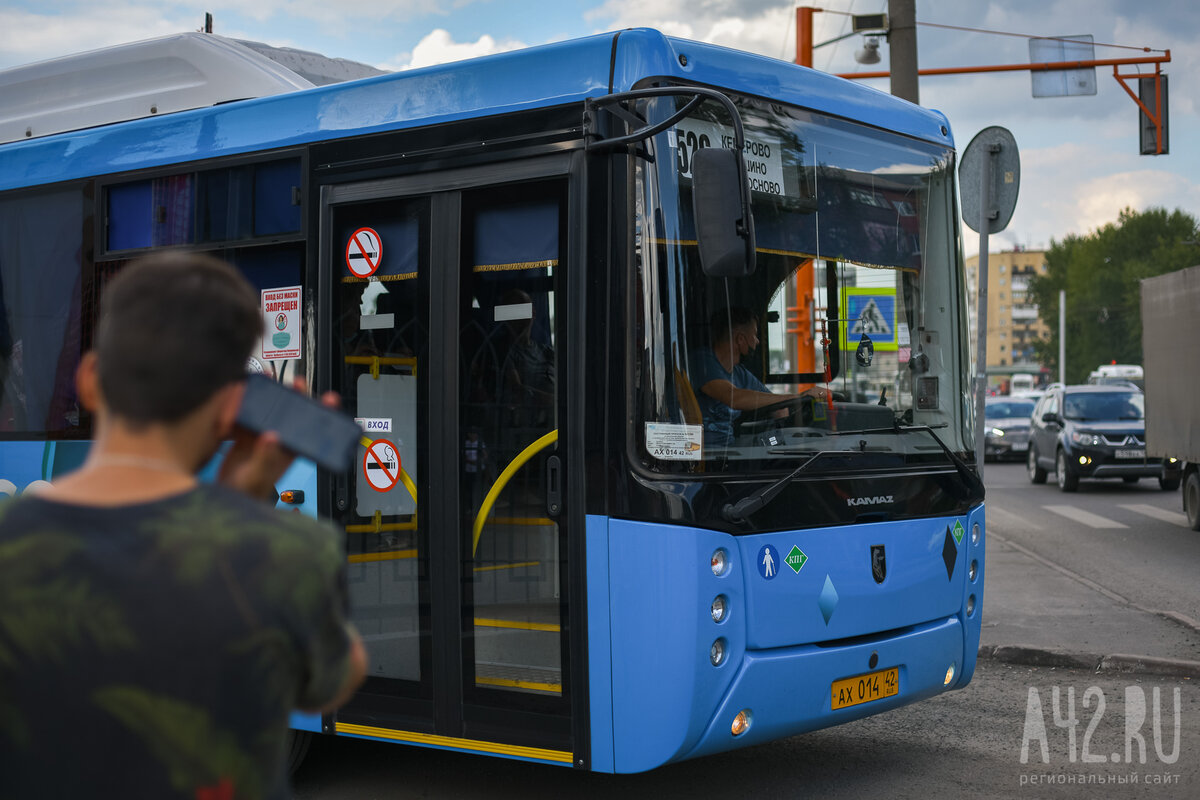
(1100, 273)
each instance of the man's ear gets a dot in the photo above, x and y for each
(87, 382)
(229, 402)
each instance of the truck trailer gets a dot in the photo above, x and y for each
(1171, 361)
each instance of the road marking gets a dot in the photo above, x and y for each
(1173, 517)
(1005, 520)
(1079, 515)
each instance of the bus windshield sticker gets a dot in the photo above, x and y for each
(762, 153)
(281, 314)
(364, 252)
(374, 424)
(671, 442)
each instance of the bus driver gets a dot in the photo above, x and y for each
(724, 387)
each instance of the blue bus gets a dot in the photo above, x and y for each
(516, 271)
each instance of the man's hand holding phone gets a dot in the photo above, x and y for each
(261, 452)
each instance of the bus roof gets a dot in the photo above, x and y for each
(154, 77)
(286, 110)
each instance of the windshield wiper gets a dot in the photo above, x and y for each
(972, 479)
(737, 512)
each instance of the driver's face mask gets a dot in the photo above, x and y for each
(865, 352)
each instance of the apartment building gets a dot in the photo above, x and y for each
(1012, 316)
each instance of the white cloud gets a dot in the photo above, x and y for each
(26, 37)
(1098, 201)
(439, 47)
(1058, 197)
(757, 26)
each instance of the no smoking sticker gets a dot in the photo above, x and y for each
(381, 465)
(364, 252)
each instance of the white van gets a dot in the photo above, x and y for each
(1020, 384)
(1107, 374)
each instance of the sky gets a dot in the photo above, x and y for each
(1079, 155)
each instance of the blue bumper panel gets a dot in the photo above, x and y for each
(787, 691)
(661, 588)
(301, 721)
(804, 608)
(834, 594)
(974, 548)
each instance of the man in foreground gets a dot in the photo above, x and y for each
(155, 632)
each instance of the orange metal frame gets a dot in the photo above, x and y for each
(804, 48)
(1116, 63)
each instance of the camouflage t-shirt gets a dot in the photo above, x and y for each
(156, 650)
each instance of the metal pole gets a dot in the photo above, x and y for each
(804, 42)
(1062, 337)
(985, 209)
(902, 49)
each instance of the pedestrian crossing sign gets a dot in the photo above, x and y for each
(870, 311)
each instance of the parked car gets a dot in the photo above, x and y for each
(1006, 427)
(1093, 432)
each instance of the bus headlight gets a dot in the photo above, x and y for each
(741, 723)
(719, 607)
(716, 653)
(720, 561)
(949, 676)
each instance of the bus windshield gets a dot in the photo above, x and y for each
(851, 326)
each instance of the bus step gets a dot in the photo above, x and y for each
(517, 677)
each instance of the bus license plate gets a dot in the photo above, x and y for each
(1130, 454)
(865, 688)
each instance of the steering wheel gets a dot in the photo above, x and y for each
(767, 413)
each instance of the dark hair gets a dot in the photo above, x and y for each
(725, 320)
(174, 328)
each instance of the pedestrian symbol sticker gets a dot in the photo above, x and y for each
(871, 321)
(958, 532)
(381, 465)
(796, 559)
(768, 562)
(364, 252)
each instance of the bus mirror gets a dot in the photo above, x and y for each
(724, 226)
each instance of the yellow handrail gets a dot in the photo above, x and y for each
(375, 361)
(486, 508)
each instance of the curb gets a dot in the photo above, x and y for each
(1117, 662)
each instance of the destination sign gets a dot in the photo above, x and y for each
(762, 153)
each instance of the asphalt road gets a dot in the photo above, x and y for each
(1131, 539)
(966, 744)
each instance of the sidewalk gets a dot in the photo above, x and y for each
(1037, 613)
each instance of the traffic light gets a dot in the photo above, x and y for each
(1147, 130)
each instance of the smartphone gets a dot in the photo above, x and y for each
(305, 427)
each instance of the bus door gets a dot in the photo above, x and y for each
(446, 311)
